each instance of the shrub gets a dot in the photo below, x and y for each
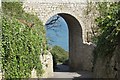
(21, 44)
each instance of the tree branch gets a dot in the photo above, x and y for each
(52, 22)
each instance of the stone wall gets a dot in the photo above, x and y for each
(84, 59)
(109, 66)
(47, 64)
(78, 24)
(0, 75)
(88, 57)
(45, 10)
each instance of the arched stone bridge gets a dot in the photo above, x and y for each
(73, 12)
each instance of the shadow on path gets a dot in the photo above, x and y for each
(62, 68)
(62, 72)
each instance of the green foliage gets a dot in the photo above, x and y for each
(12, 8)
(59, 54)
(21, 45)
(109, 24)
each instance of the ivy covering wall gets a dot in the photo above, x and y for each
(23, 40)
(106, 55)
(108, 22)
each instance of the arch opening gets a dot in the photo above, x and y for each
(75, 39)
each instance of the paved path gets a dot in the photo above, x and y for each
(62, 73)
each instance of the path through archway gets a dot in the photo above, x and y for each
(75, 49)
(75, 39)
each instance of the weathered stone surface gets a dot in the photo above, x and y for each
(80, 54)
(108, 67)
(88, 56)
(58, 1)
(0, 75)
(46, 10)
(47, 64)
(34, 74)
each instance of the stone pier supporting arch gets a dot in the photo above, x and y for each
(75, 39)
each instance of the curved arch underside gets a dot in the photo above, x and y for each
(75, 39)
(80, 53)
(80, 57)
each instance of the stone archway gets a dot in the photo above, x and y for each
(80, 51)
(75, 39)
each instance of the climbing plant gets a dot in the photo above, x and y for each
(22, 43)
(108, 22)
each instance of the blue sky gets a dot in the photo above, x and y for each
(58, 35)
